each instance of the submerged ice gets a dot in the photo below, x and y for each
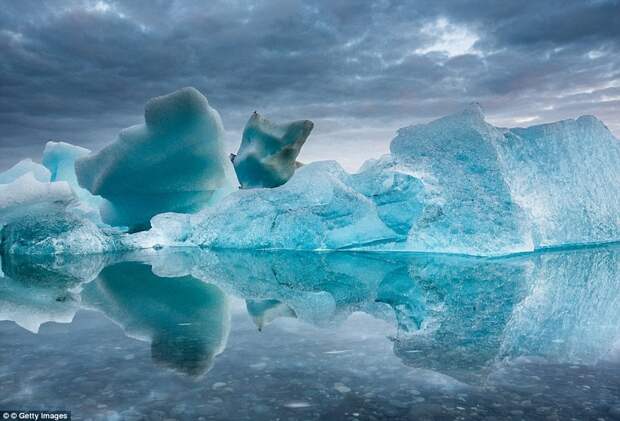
(455, 185)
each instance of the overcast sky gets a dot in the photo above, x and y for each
(80, 71)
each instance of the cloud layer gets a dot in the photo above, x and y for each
(81, 70)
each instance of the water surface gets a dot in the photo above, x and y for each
(194, 334)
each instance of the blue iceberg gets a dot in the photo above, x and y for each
(456, 185)
(23, 167)
(316, 209)
(175, 162)
(266, 157)
(59, 158)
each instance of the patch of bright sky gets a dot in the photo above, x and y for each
(453, 40)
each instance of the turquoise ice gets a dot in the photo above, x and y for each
(456, 185)
(174, 162)
(266, 157)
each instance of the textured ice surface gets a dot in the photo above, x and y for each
(266, 157)
(57, 232)
(39, 172)
(566, 175)
(396, 192)
(495, 191)
(175, 162)
(316, 209)
(59, 158)
(28, 197)
(468, 207)
(454, 185)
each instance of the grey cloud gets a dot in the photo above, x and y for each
(82, 70)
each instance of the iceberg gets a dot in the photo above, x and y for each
(27, 197)
(468, 205)
(456, 185)
(59, 158)
(59, 232)
(23, 167)
(174, 162)
(566, 176)
(266, 157)
(316, 209)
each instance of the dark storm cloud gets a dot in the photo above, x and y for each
(82, 70)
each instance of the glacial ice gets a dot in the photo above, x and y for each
(566, 176)
(468, 207)
(27, 197)
(266, 157)
(455, 185)
(316, 209)
(59, 158)
(57, 232)
(23, 167)
(175, 162)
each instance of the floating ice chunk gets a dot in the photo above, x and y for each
(28, 197)
(59, 158)
(566, 175)
(39, 172)
(316, 209)
(50, 233)
(175, 162)
(267, 154)
(468, 207)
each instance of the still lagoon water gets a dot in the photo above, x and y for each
(201, 335)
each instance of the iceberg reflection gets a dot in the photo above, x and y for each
(459, 316)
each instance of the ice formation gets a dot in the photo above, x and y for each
(455, 185)
(59, 158)
(566, 176)
(266, 157)
(27, 197)
(468, 206)
(175, 162)
(58, 232)
(23, 167)
(316, 209)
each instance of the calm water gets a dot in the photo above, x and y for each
(258, 335)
